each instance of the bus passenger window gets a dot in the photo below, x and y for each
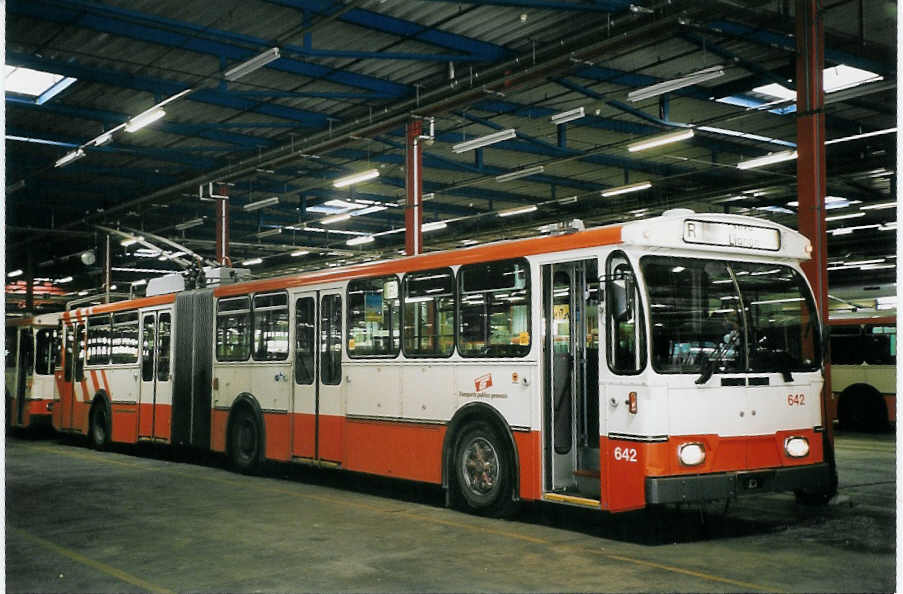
(124, 347)
(271, 327)
(331, 339)
(99, 340)
(80, 341)
(45, 346)
(233, 329)
(305, 325)
(429, 313)
(373, 319)
(164, 340)
(494, 300)
(624, 317)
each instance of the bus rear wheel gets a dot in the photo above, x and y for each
(245, 447)
(484, 471)
(862, 410)
(99, 434)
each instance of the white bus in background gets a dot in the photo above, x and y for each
(864, 369)
(669, 360)
(32, 354)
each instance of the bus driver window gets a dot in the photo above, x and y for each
(624, 318)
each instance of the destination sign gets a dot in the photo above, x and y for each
(732, 235)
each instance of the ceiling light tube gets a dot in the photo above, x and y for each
(880, 206)
(14, 273)
(69, 157)
(863, 135)
(139, 282)
(436, 226)
(355, 178)
(299, 253)
(131, 241)
(675, 84)
(144, 119)
(519, 173)
(568, 116)
(255, 63)
(335, 219)
(768, 159)
(643, 185)
(103, 139)
(360, 240)
(64, 280)
(660, 140)
(261, 204)
(252, 261)
(852, 215)
(189, 224)
(269, 232)
(485, 140)
(516, 211)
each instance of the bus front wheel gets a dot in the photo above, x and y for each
(484, 470)
(245, 441)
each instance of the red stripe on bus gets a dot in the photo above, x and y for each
(106, 385)
(94, 381)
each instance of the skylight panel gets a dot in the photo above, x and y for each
(43, 86)
(777, 91)
(844, 77)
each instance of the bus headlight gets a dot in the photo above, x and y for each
(796, 447)
(691, 454)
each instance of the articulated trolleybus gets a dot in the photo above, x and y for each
(670, 360)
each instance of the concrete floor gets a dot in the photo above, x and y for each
(139, 520)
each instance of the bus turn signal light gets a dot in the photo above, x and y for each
(631, 403)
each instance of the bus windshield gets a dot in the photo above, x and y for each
(729, 317)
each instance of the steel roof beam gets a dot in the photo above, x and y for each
(48, 10)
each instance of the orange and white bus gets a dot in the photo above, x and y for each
(670, 360)
(864, 369)
(32, 354)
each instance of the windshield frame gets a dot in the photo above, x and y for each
(747, 351)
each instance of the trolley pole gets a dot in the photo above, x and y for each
(811, 177)
(222, 225)
(413, 212)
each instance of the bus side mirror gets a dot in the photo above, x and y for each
(621, 301)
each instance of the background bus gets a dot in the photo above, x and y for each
(864, 370)
(32, 354)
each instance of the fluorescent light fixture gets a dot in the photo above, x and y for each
(299, 253)
(568, 116)
(639, 186)
(335, 219)
(261, 204)
(343, 204)
(660, 140)
(269, 232)
(435, 226)
(360, 240)
(130, 241)
(519, 173)
(831, 202)
(14, 273)
(139, 282)
(768, 159)
(64, 280)
(69, 157)
(144, 119)
(368, 210)
(252, 261)
(863, 135)
(747, 135)
(852, 215)
(516, 211)
(355, 178)
(82, 293)
(103, 139)
(485, 140)
(189, 224)
(677, 83)
(255, 63)
(880, 206)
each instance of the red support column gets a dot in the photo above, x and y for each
(222, 225)
(810, 171)
(413, 213)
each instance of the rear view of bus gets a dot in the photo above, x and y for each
(720, 396)
(32, 354)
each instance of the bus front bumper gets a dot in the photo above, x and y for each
(726, 485)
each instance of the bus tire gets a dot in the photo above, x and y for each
(245, 441)
(484, 471)
(99, 429)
